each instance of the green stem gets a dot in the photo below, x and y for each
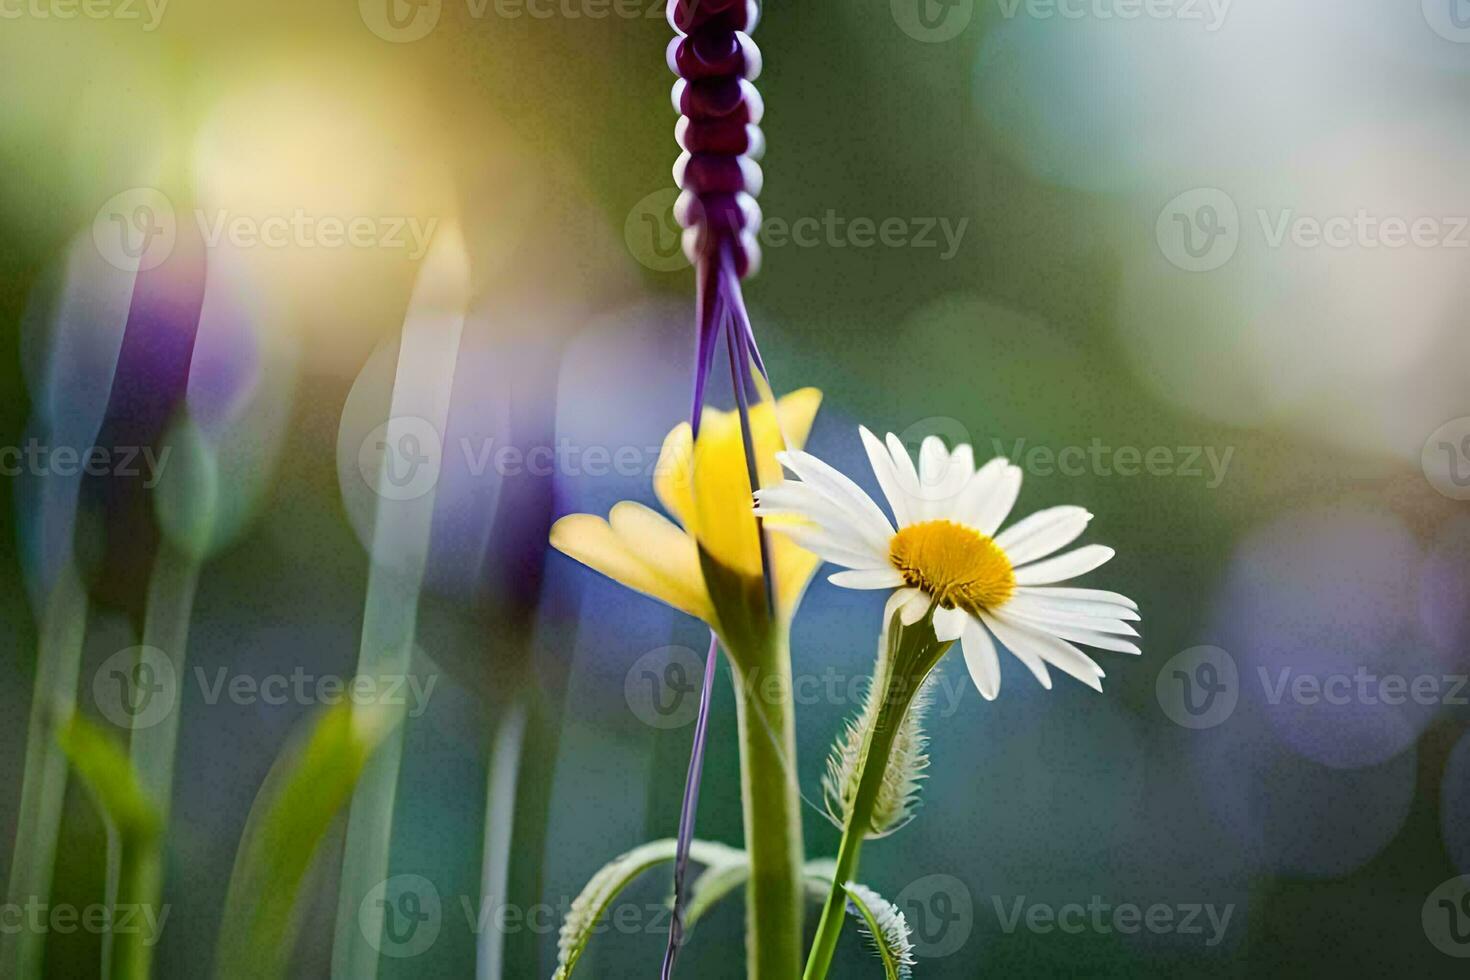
(874, 765)
(135, 880)
(910, 653)
(772, 805)
(165, 628)
(140, 879)
(386, 655)
(500, 808)
(58, 662)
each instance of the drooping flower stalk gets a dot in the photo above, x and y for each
(689, 808)
(719, 107)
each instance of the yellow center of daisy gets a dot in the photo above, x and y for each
(957, 565)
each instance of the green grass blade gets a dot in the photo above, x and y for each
(306, 789)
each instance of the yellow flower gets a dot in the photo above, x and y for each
(707, 489)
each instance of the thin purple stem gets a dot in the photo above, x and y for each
(740, 369)
(742, 319)
(711, 303)
(688, 809)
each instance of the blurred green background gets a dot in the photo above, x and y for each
(1269, 421)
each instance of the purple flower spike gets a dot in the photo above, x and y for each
(720, 110)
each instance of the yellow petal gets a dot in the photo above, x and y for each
(664, 565)
(797, 411)
(794, 567)
(706, 487)
(672, 480)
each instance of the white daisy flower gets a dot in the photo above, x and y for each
(949, 554)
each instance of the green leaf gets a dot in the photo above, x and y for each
(618, 874)
(301, 796)
(102, 764)
(885, 927)
(103, 767)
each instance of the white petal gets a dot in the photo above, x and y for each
(979, 489)
(997, 508)
(1088, 595)
(846, 497)
(903, 467)
(1055, 624)
(1021, 650)
(1033, 609)
(882, 464)
(848, 552)
(1094, 639)
(908, 479)
(962, 460)
(1064, 567)
(981, 660)
(933, 460)
(915, 608)
(1042, 533)
(868, 578)
(1054, 650)
(895, 602)
(795, 499)
(949, 624)
(1039, 600)
(942, 478)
